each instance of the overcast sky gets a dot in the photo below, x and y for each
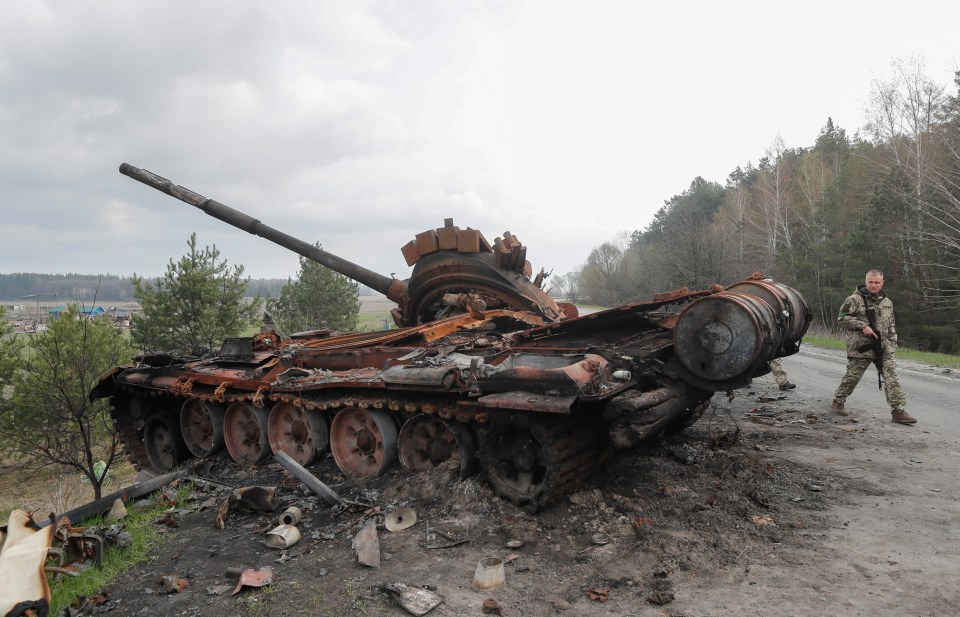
(359, 124)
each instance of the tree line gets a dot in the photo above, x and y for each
(817, 218)
(85, 288)
(68, 288)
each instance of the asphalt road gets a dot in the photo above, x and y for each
(893, 549)
(933, 393)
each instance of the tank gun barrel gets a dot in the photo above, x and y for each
(394, 289)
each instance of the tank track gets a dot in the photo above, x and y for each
(131, 437)
(563, 450)
(535, 461)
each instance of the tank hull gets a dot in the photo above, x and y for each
(529, 402)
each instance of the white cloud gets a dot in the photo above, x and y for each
(359, 124)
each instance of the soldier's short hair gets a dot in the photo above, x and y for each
(874, 273)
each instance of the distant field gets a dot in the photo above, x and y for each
(373, 311)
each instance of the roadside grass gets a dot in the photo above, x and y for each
(825, 342)
(145, 538)
(903, 353)
(369, 322)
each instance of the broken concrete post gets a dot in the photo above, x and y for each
(131, 492)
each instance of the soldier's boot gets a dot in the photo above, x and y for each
(837, 407)
(788, 385)
(899, 415)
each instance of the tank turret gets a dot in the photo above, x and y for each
(454, 269)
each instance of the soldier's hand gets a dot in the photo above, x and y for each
(868, 331)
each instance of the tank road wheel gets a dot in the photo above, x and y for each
(302, 435)
(363, 441)
(427, 441)
(202, 426)
(533, 462)
(245, 432)
(163, 441)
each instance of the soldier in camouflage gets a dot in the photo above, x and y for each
(860, 353)
(776, 367)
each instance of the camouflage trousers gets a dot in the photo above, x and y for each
(776, 367)
(896, 398)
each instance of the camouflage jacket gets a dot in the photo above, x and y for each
(853, 318)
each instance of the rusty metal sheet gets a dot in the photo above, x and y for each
(410, 253)
(253, 578)
(447, 237)
(426, 242)
(468, 241)
(527, 401)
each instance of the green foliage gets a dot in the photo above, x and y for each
(699, 202)
(108, 287)
(8, 352)
(80, 286)
(49, 419)
(318, 298)
(817, 218)
(600, 277)
(139, 523)
(196, 305)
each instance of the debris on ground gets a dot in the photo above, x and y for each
(253, 578)
(415, 600)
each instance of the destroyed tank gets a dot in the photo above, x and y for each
(485, 371)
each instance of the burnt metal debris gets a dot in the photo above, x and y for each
(485, 371)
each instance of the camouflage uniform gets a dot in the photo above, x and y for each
(853, 317)
(776, 367)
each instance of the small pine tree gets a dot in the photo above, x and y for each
(318, 298)
(198, 303)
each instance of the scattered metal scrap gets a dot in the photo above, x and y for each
(253, 578)
(415, 600)
(282, 536)
(400, 519)
(291, 516)
(173, 583)
(257, 498)
(453, 531)
(366, 544)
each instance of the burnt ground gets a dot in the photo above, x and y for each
(734, 516)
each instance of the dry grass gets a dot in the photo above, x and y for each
(53, 490)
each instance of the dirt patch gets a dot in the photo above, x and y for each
(705, 515)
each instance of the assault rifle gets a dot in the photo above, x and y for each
(875, 343)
